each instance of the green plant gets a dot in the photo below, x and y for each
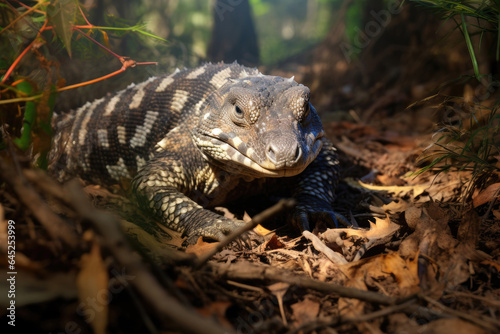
(472, 146)
(27, 34)
(484, 16)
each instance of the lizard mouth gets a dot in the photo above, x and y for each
(243, 160)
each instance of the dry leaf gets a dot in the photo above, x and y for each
(487, 195)
(201, 247)
(388, 269)
(352, 307)
(154, 243)
(217, 310)
(226, 212)
(93, 282)
(396, 190)
(432, 239)
(261, 230)
(247, 218)
(273, 243)
(496, 213)
(387, 180)
(491, 263)
(304, 311)
(450, 325)
(413, 216)
(396, 206)
(321, 247)
(378, 233)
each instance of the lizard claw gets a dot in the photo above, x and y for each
(306, 217)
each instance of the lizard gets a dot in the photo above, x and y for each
(197, 138)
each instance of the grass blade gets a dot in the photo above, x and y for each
(470, 47)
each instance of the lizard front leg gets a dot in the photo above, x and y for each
(315, 190)
(162, 186)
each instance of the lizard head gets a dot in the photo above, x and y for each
(260, 126)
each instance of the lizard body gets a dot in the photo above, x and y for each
(199, 138)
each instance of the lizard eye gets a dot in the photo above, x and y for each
(307, 107)
(238, 112)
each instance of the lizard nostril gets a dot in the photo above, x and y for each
(271, 153)
(298, 153)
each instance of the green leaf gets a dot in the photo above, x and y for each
(62, 16)
(137, 28)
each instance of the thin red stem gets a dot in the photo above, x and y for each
(93, 40)
(83, 15)
(93, 81)
(18, 59)
(27, 7)
(148, 63)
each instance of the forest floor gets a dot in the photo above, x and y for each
(422, 260)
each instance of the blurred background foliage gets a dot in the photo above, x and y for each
(283, 27)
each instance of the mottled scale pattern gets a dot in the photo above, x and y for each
(198, 138)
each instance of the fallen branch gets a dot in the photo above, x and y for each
(258, 219)
(486, 323)
(247, 271)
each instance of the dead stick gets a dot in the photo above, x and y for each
(258, 219)
(114, 240)
(492, 302)
(486, 323)
(248, 271)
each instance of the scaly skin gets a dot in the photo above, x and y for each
(198, 138)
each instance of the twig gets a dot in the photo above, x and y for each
(163, 304)
(258, 219)
(491, 301)
(248, 271)
(487, 323)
